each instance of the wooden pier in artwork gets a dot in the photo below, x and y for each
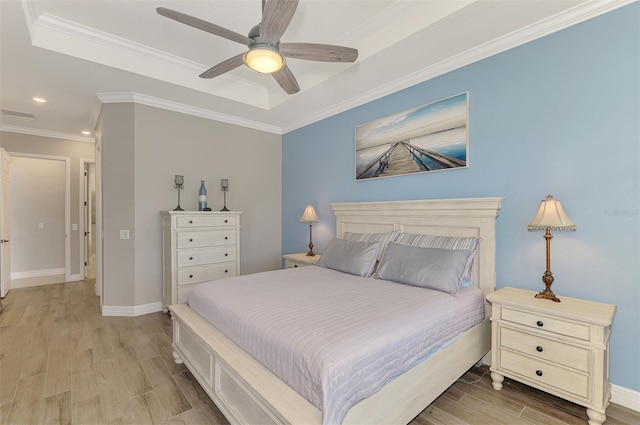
(404, 158)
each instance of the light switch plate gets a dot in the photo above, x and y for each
(74, 227)
(40, 225)
(124, 234)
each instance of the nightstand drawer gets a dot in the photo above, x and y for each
(187, 239)
(547, 323)
(546, 373)
(546, 349)
(197, 274)
(194, 257)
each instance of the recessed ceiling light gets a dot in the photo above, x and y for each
(86, 133)
(39, 100)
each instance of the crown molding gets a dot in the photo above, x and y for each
(142, 99)
(71, 38)
(45, 133)
(558, 22)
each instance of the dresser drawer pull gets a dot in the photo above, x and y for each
(539, 349)
(226, 255)
(539, 372)
(226, 237)
(190, 221)
(190, 239)
(190, 258)
(539, 323)
(226, 271)
(226, 221)
(190, 276)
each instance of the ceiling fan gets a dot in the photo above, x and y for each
(266, 54)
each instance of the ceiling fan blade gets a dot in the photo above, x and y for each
(318, 52)
(287, 81)
(276, 17)
(222, 67)
(204, 26)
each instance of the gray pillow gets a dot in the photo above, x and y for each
(433, 268)
(351, 257)
(385, 238)
(444, 242)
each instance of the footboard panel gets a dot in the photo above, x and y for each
(244, 390)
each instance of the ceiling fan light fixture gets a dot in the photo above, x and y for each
(264, 59)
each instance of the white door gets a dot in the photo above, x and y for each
(5, 230)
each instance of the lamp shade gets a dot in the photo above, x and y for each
(551, 215)
(309, 214)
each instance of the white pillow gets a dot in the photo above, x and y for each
(358, 258)
(433, 268)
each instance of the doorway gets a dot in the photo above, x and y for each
(39, 210)
(88, 231)
(5, 228)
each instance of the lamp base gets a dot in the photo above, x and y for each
(224, 208)
(178, 208)
(548, 295)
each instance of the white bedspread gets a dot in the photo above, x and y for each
(335, 338)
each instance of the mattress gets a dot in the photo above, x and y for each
(333, 337)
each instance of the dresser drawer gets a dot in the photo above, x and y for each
(546, 323)
(205, 221)
(206, 238)
(197, 274)
(545, 373)
(546, 349)
(197, 256)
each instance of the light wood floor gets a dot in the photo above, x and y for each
(61, 362)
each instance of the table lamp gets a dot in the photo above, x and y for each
(309, 215)
(550, 215)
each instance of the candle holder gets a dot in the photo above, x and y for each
(224, 187)
(178, 183)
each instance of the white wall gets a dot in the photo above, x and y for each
(37, 214)
(143, 166)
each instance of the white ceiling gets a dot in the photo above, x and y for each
(79, 54)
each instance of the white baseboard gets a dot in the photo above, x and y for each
(75, 277)
(625, 397)
(135, 310)
(37, 273)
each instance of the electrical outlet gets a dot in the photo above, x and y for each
(124, 234)
(74, 227)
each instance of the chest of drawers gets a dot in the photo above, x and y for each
(561, 348)
(197, 247)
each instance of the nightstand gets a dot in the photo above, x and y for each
(299, 260)
(561, 348)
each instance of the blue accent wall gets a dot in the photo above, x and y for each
(559, 116)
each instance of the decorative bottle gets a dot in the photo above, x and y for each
(202, 198)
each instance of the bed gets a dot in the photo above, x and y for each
(248, 393)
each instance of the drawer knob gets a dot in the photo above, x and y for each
(539, 372)
(190, 258)
(226, 271)
(226, 255)
(190, 221)
(295, 265)
(539, 349)
(190, 276)
(190, 239)
(226, 221)
(226, 237)
(539, 323)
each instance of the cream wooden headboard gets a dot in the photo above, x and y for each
(442, 217)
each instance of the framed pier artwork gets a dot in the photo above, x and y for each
(431, 137)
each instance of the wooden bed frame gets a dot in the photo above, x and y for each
(247, 393)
